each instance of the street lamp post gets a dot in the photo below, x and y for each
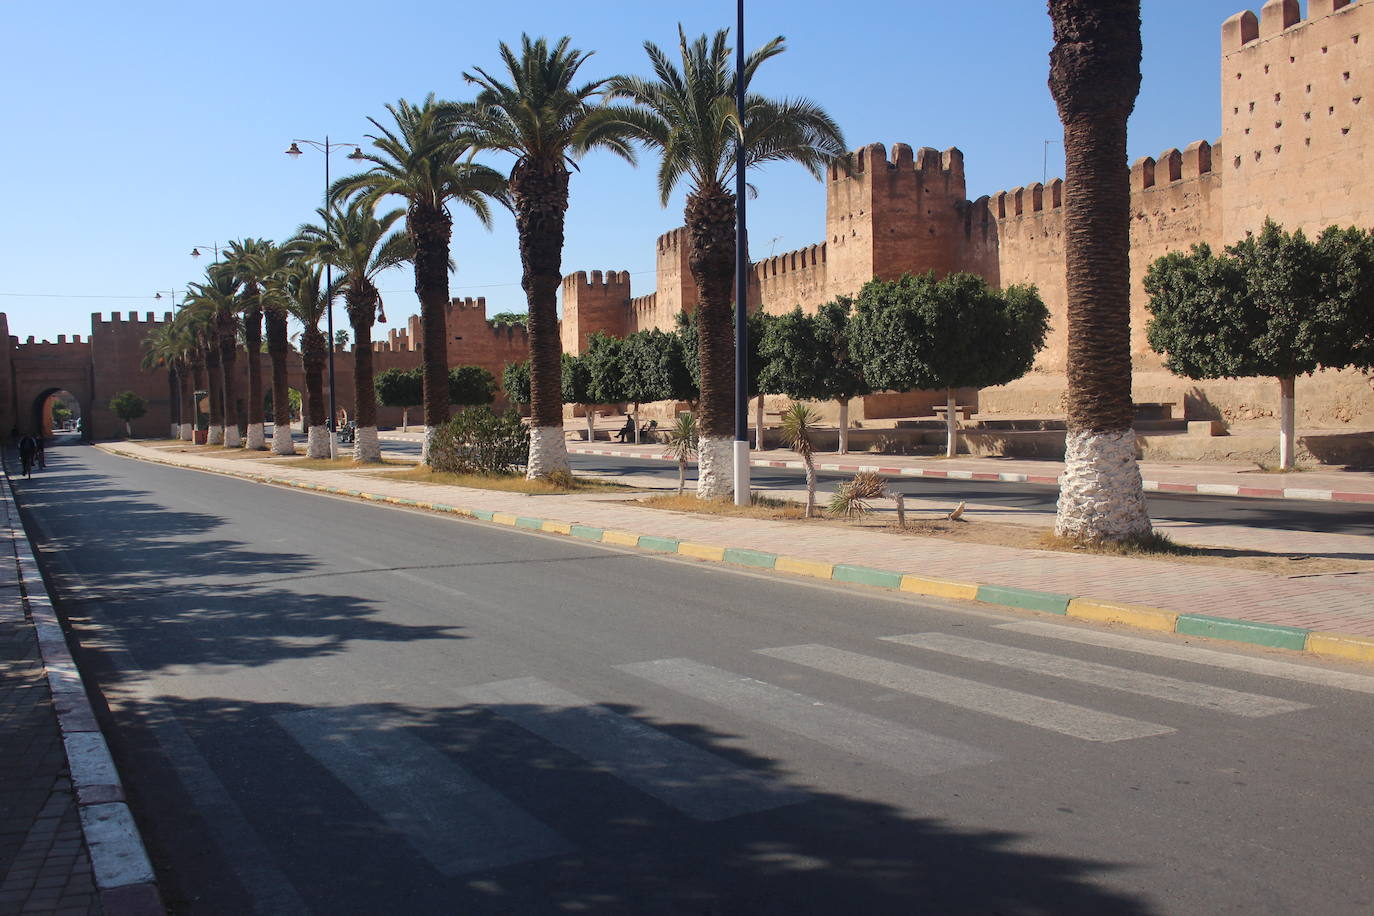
(195, 251)
(741, 281)
(326, 147)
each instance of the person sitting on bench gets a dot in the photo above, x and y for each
(627, 432)
(647, 428)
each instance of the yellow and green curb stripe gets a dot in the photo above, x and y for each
(1272, 635)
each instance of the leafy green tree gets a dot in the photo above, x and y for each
(577, 389)
(688, 114)
(401, 388)
(1275, 304)
(128, 406)
(509, 319)
(919, 333)
(470, 386)
(841, 376)
(515, 382)
(655, 369)
(425, 161)
(605, 364)
(537, 112)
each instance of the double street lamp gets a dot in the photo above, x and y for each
(195, 251)
(326, 147)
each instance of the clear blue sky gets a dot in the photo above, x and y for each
(135, 131)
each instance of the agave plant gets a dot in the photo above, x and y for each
(682, 445)
(855, 497)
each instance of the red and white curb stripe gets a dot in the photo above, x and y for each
(123, 874)
(1202, 489)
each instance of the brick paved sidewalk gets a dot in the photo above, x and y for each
(1338, 603)
(44, 864)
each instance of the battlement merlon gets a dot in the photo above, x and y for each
(599, 280)
(673, 240)
(801, 259)
(468, 302)
(874, 156)
(1276, 16)
(98, 320)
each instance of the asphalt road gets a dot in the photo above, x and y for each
(1280, 514)
(326, 706)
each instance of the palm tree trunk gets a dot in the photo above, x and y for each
(758, 424)
(216, 433)
(228, 363)
(539, 193)
(277, 348)
(431, 230)
(197, 384)
(1095, 77)
(174, 401)
(810, 462)
(710, 217)
(252, 339)
(362, 306)
(314, 355)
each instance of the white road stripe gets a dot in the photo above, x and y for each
(1065, 718)
(908, 749)
(695, 781)
(1072, 669)
(458, 823)
(1251, 664)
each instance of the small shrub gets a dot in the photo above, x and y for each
(855, 497)
(480, 441)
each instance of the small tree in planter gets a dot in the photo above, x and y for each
(682, 445)
(921, 333)
(401, 388)
(1273, 305)
(128, 406)
(798, 434)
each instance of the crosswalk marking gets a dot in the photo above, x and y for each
(458, 823)
(1250, 664)
(1072, 669)
(696, 782)
(1040, 712)
(847, 730)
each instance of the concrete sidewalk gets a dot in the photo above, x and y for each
(1333, 613)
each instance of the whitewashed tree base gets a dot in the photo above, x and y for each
(716, 467)
(232, 439)
(317, 442)
(1100, 494)
(187, 433)
(548, 452)
(215, 436)
(282, 443)
(257, 438)
(366, 445)
(176, 431)
(425, 443)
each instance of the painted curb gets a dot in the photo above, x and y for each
(124, 875)
(1277, 636)
(1159, 486)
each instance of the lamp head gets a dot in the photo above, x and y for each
(294, 149)
(195, 252)
(357, 153)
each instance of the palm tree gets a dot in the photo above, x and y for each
(244, 261)
(361, 245)
(421, 161)
(682, 445)
(214, 300)
(161, 351)
(689, 116)
(537, 115)
(1095, 77)
(272, 266)
(799, 434)
(308, 300)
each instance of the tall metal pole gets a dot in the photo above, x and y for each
(329, 318)
(741, 281)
